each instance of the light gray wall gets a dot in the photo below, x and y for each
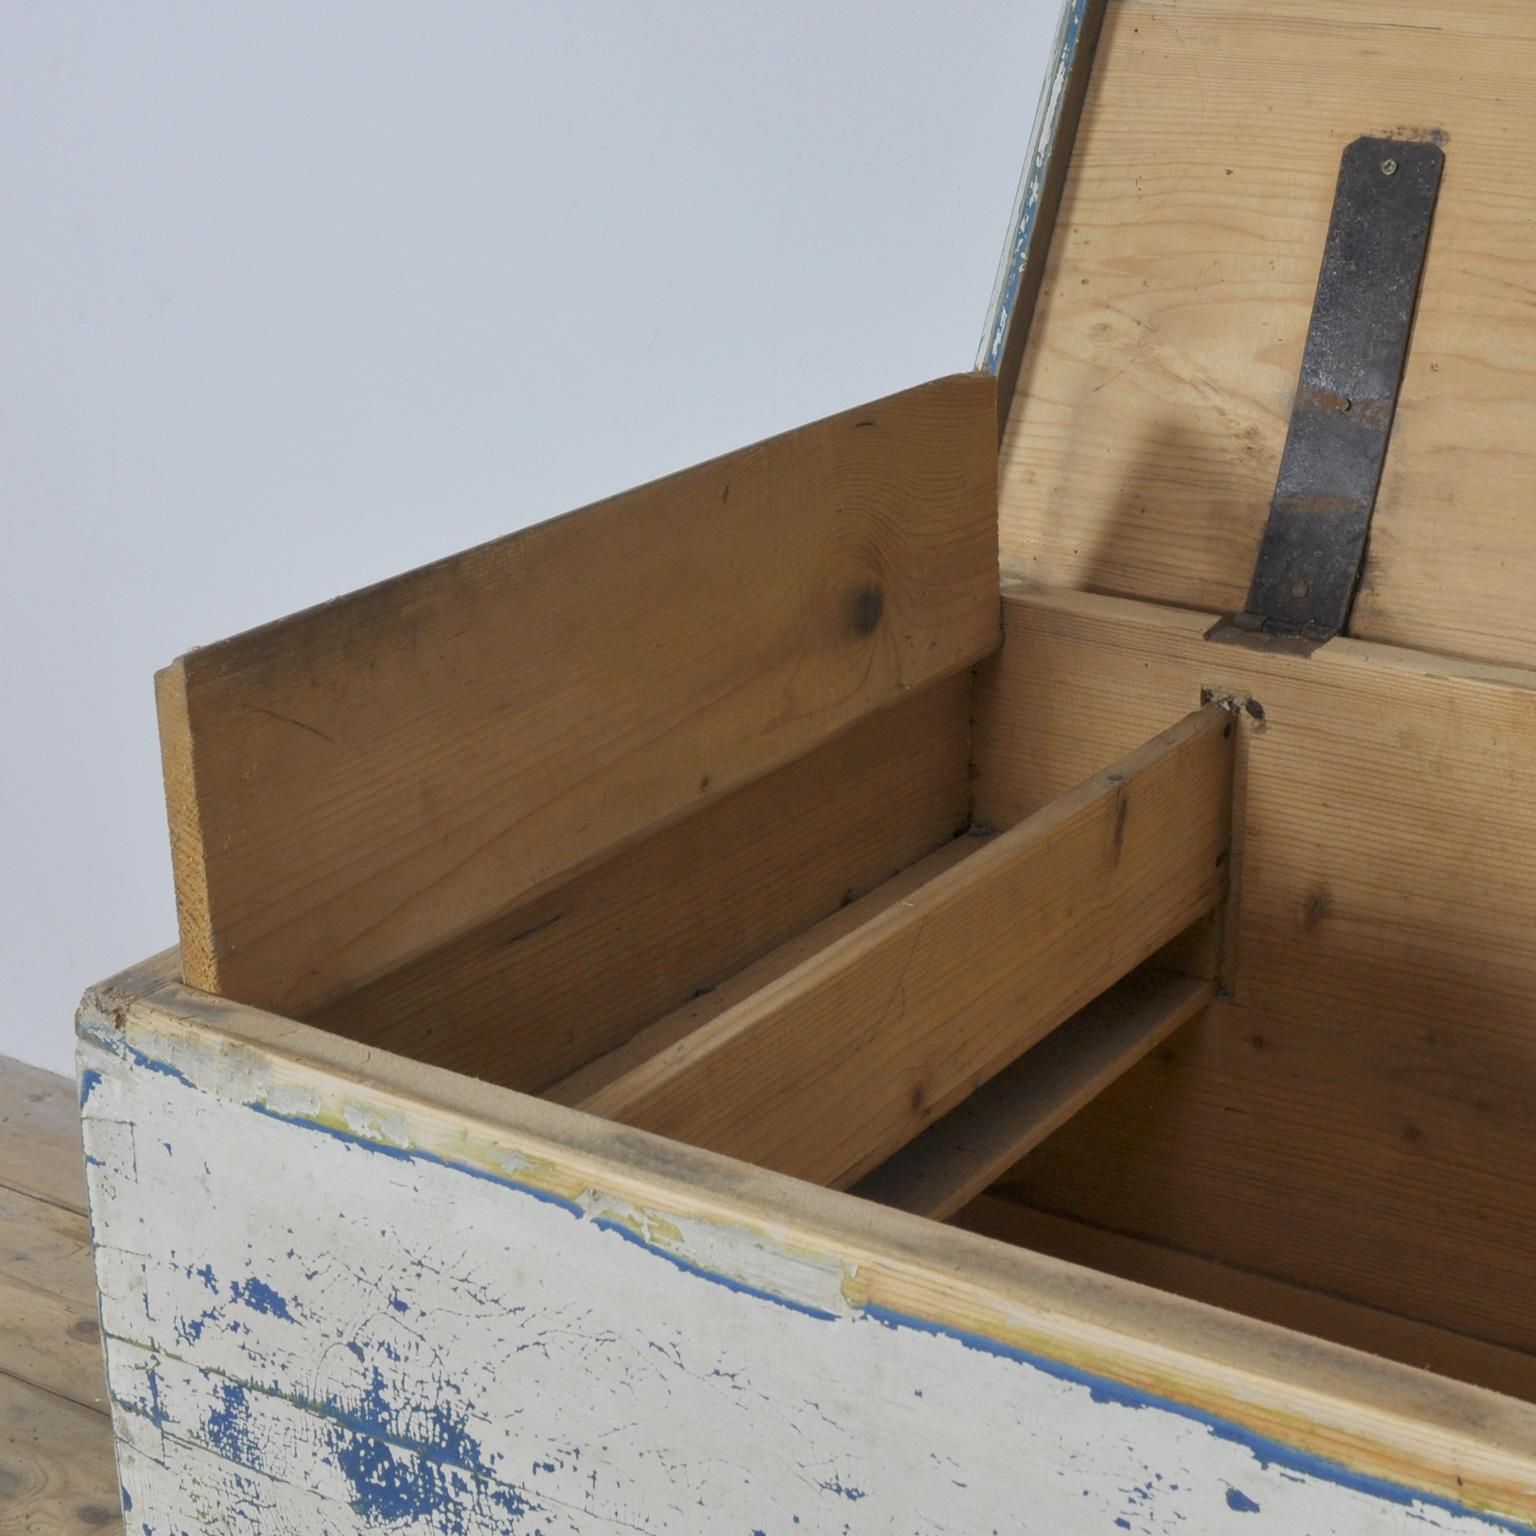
(300, 294)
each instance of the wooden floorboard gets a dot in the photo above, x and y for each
(57, 1476)
(40, 1135)
(56, 1463)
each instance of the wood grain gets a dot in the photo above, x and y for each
(582, 1087)
(56, 1471)
(827, 1070)
(958, 1156)
(356, 785)
(572, 974)
(1371, 1091)
(1257, 1295)
(40, 1135)
(48, 1331)
(1151, 408)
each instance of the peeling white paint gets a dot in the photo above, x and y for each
(307, 1333)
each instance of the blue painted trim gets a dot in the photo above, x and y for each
(1266, 1451)
(1043, 147)
(602, 1223)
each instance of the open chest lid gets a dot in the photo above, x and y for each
(1164, 267)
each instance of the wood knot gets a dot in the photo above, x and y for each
(866, 608)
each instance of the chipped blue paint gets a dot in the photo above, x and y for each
(152, 1410)
(389, 1489)
(260, 1297)
(90, 1081)
(1265, 1451)
(229, 1427)
(190, 1329)
(150, 1064)
(1043, 147)
(853, 1495)
(434, 1484)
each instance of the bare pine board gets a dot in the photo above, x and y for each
(356, 785)
(1151, 408)
(825, 1071)
(573, 973)
(1371, 1094)
(584, 1086)
(958, 1156)
(40, 1135)
(1256, 1295)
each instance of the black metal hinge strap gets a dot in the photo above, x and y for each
(1310, 558)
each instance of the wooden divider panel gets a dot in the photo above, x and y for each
(574, 972)
(828, 1069)
(958, 1156)
(355, 785)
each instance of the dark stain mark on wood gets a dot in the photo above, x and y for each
(528, 933)
(725, 495)
(1122, 814)
(95, 1516)
(1254, 708)
(868, 421)
(1319, 909)
(867, 607)
(273, 714)
(918, 1098)
(1413, 1134)
(704, 783)
(85, 1328)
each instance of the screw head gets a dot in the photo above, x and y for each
(1389, 167)
(1299, 589)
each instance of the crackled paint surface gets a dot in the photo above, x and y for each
(318, 1327)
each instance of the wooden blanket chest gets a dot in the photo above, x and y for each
(701, 1017)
